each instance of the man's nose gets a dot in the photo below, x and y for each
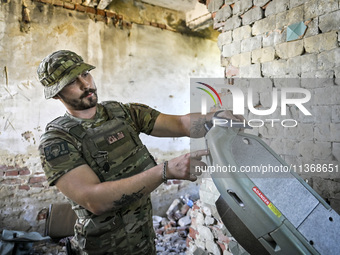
(83, 82)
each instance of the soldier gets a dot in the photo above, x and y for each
(94, 156)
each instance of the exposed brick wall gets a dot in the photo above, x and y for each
(253, 33)
(20, 177)
(24, 193)
(97, 14)
(101, 15)
(253, 44)
(26, 28)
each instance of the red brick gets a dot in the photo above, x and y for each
(12, 173)
(162, 26)
(80, 8)
(192, 233)
(218, 233)
(222, 246)
(110, 14)
(223, 238)
(24, 171)
(39, 179)
(11, 181)
(76, 1)
(37, 185)
(188, 240)
(58, 3)
(4, 167)
(101, 12)
(91, 10)
(25, 187)
(69, 6)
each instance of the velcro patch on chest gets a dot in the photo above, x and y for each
(56, 150)
(115, 137)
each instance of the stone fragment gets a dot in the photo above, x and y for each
(209, 220)
(329, 22)
(289, 49)
(212, 248)
(184, 221)
(205, 233)
(242, 6)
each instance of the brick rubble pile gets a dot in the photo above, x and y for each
(190, 228)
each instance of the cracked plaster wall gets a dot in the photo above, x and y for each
(136, 64)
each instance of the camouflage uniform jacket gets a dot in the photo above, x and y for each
(110, 145)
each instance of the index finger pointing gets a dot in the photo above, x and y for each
(198, 154)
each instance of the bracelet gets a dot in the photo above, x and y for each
(165, 164)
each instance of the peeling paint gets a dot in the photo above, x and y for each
(66, 27)
(158, 57)
(28, 136)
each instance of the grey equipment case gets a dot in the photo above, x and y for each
(275, 212)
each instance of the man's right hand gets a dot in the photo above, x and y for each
(184, 166)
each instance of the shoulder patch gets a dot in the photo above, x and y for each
(56, 150)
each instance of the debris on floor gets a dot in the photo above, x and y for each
(188, 228)
(172, 230)
(49, 248)
(191, 228)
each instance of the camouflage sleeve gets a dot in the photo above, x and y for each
(58, 156)
(143, 116)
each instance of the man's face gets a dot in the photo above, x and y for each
(80, 94)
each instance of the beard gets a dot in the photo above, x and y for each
(83, 102)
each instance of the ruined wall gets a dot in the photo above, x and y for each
(253, 44)
(145, 63)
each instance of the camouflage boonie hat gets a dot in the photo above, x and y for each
(59, 69)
